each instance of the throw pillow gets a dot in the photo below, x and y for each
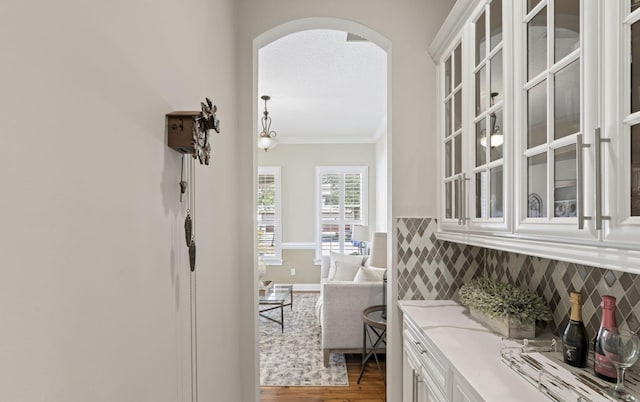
(345, 271)
(344, 258)
(369, 274)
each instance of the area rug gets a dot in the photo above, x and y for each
(294, 358)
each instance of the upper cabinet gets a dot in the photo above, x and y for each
(619, 147)
(452, 177)
(474, 114)
(539, 128)
(556, 100)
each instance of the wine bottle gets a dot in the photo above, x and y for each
(602, 367)
(575, 345)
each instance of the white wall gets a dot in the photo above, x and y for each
(298, 169)
(94, 287)
(410, 26)
(382, 177)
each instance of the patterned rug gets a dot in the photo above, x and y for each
(294, 358)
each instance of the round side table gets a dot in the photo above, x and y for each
(373, 324)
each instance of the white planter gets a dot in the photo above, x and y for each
(506, 326)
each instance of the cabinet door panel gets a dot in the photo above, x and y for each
(497, 193)
(452, 139)
(621, 155)
(635, 67)
(537, 115)
(635, 171)
(565, 195)
(537, 186)
(537, 44)
(496, 142)
(558, 97)
(566, 101)
(463, 393)
(485, 187)
(566, 27)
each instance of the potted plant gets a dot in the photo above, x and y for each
(504, 308)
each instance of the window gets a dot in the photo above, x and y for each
(269, 225)
(342, 203)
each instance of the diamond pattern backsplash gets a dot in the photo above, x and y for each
(432, 269)
(429, 268)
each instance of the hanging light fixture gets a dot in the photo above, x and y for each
(266, 140)
(496, 137)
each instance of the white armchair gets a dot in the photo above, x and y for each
(339, 311)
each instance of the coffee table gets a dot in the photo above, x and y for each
(276, 298)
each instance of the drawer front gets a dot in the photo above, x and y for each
(435, 367)
(462, 392)
(434, 392)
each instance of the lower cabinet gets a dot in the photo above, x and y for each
(450, 357)
(463, 392)
(413, 387)
(427, 376)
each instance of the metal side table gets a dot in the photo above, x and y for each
(372, 325)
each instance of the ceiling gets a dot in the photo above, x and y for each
(323, 88)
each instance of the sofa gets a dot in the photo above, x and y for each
(345, 290)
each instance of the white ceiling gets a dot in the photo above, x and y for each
(324, 89)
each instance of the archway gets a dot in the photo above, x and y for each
(341, 25)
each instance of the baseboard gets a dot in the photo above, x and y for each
(299, 246)
(306, 287)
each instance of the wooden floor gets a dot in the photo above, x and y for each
(370, 389)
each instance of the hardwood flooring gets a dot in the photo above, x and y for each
(370, 389)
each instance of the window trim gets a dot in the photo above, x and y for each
(277, 201)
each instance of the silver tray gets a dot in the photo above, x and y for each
(540, 363)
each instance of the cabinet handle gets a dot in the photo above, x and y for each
(461, 193)
(414, 396)
(580, 181)
(463, 197)
(419, 346)
(598, 162)
(458, 199)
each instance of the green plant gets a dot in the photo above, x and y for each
(497, 299)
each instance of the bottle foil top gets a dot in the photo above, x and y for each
(608, 302)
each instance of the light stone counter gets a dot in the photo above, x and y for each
(471, 350)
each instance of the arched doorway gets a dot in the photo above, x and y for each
(333, 24)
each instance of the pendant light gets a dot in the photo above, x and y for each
(266, 139)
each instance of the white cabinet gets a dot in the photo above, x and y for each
(463, 392)
(430, 372)
(475, 102)
(556, 70)
(620, 170)
(414, 388)
(450, 357)
(539, 122)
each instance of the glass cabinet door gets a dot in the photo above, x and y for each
(488, 115)
(620, 149)
(452, 136)
(549, 151)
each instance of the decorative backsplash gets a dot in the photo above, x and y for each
(432, 269)
(429, 268)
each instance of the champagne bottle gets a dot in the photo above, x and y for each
(602, 367)
(575, 345)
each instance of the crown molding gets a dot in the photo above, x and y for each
(452, 27)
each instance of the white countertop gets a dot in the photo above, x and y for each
(471, 349)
